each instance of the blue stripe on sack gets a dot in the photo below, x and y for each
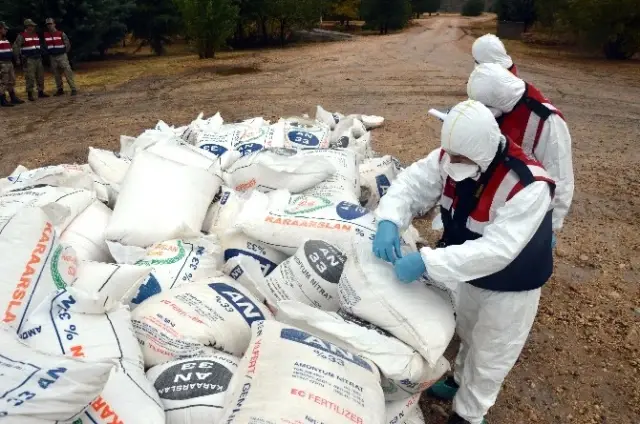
(241, 303)
(312, 341)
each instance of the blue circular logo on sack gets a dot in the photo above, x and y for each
(304, 138)
(216, 149)
(350, 211)
(249, 148)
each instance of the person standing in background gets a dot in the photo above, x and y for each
(58, 45)
(7, 73)
(27, 49)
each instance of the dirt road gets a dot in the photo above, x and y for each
(582, 362)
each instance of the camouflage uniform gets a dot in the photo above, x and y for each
(7, 73)
(58, 45)
(32, 63)
(7, 77)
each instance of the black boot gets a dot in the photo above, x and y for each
(14, 99)
(42, 94)
(4, 102)
(60, 92)
(31, 97)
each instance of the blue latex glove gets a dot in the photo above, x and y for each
(553, 240)
(410, 268)
(386, 244)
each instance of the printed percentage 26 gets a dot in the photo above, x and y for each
(71, 332)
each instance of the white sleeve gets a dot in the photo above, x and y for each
(418, 188)
(515, 224)
(554, 151)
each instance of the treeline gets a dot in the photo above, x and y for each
(610, 25)
(94, 26)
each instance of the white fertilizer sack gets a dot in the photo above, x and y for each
(61, 204)
(404, 371)
(326, 118)
(39, 388)
(291, 376)
(310, 276)
(195, 318)
(176, 196)
(274, 169)
(247, 272)
(304, 133)
(237, 244)
(199, 126)
(128, 397)
(194, 390)
(223, 212)
(38, 265)
(344, 183)
(174, 262)
(376, 176)
(285, 221)
(405, 411)
(114, 282)
(71, 176)
(110, 166)
(86, 233)
(419, 314)
(74, 323)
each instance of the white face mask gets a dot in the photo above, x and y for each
(462, 171)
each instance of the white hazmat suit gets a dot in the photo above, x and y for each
(490, 49)
(493, 325)
(500, 90)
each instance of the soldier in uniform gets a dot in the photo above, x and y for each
(27, 48)
(7, 73)
(58, 46)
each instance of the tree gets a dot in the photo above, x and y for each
(92, 25)
(208, 23)
(425, 6)
(291, 14)
(386, 14)
(154, 22)
(612, 25)
(473, 8)
(345, 10)
(517, 11)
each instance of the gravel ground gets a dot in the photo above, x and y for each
(582, 361)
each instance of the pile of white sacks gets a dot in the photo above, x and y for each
(213, 273)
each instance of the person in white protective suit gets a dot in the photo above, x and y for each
(490, 49)
(495, 203)
(529, 119)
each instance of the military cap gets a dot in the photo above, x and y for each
(49, 21)
(29, 22)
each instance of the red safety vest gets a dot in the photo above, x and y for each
(6, 53)
(524, 124)
(55, 43)
(500, 188)
(31, 46)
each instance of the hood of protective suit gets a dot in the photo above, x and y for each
(495, 87)
(490, 49)
(470, 130)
